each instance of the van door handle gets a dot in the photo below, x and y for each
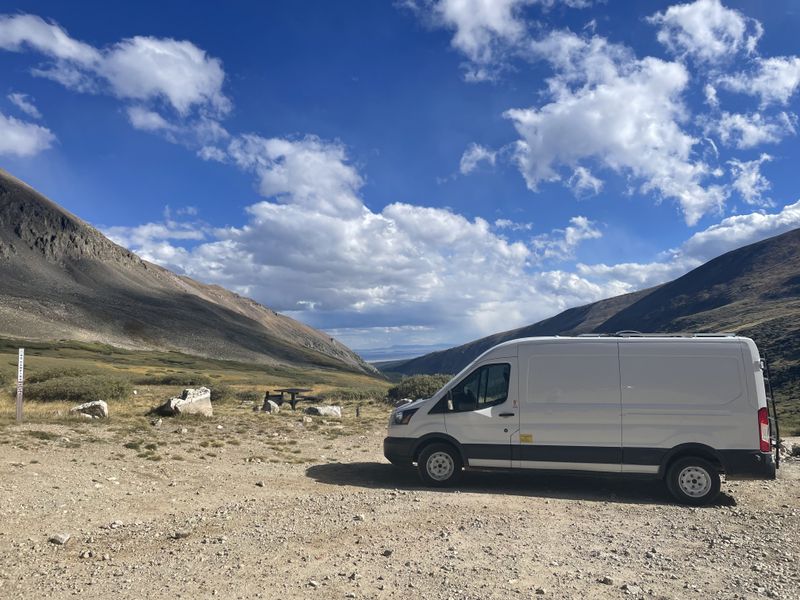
(506, 414)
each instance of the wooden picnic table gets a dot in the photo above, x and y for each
(294, 393)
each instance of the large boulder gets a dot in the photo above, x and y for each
(325, 411)
(97, 409)
(191, 402)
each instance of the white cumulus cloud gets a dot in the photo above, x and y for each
(23, 139)
(592, 80)
(773, 80)
(173, 73)
(749, 130)
(706, 30)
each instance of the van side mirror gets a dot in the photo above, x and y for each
(450, 400)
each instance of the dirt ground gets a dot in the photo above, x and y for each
(249, 505)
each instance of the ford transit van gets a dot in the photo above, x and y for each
(684, 408)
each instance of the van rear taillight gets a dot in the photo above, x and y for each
(763, 430)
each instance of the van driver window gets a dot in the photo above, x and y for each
(487, 386)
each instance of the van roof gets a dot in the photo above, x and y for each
(628, 335)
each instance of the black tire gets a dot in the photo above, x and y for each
(439, 465)
(693, 480)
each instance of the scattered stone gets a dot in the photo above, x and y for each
(259, 484)
(180, 534)
(314, 584)
(191, 402)
(59, 539)
(540, 591)
(157, 423)
(98, 409)
(115, 525)
(271, 406)
(358, 518)
(220, 427)
(307, 420)
(605, 579)
(632, 590)
(325, 411)
(387, 552)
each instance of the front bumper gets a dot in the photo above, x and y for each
(399, 451)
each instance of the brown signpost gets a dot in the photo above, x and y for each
(20, 379)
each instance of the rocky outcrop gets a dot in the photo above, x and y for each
(191, 402)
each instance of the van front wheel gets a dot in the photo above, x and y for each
(693, 480)
(439, 465)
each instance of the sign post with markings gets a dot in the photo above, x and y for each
(20, 379)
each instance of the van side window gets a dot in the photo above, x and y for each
(487, 386)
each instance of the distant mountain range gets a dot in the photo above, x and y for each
(752, 291)
(64, 280)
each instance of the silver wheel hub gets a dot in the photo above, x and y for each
(694, 481)
(440, 466)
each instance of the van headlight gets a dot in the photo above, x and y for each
(402, 417)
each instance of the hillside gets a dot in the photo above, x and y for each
(64, 280)
(752, 291)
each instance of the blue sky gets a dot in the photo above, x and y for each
(415, 174)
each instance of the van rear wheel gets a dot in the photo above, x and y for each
(439, 465)
(693, 480)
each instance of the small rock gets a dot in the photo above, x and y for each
(180, 534)
(259, 484)
(271, 406)
(630, 589)
(157, 423)
(605, 579)
(220, 427)
(387, 552)
(59, 539)
(314, 584)
(540, 591)
(358, 518)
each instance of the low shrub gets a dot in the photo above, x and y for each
(186, 379)
(48, 374)
(418, 386)
(221, 392)
(86, 388)
(249, 396)
(352, 395)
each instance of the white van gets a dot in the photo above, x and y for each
(684, 408)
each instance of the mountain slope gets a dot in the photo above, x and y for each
(753, 291)
(63, 279)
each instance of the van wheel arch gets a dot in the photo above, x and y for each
(686, 450)
(438, 438)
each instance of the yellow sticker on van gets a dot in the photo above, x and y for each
(526, 438)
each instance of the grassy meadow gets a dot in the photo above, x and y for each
(54, 370)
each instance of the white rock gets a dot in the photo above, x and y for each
(191, 402)
(271, 406)
(97, 409)
(325, 411)
(59, 538)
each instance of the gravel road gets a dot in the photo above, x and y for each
(211, 515)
